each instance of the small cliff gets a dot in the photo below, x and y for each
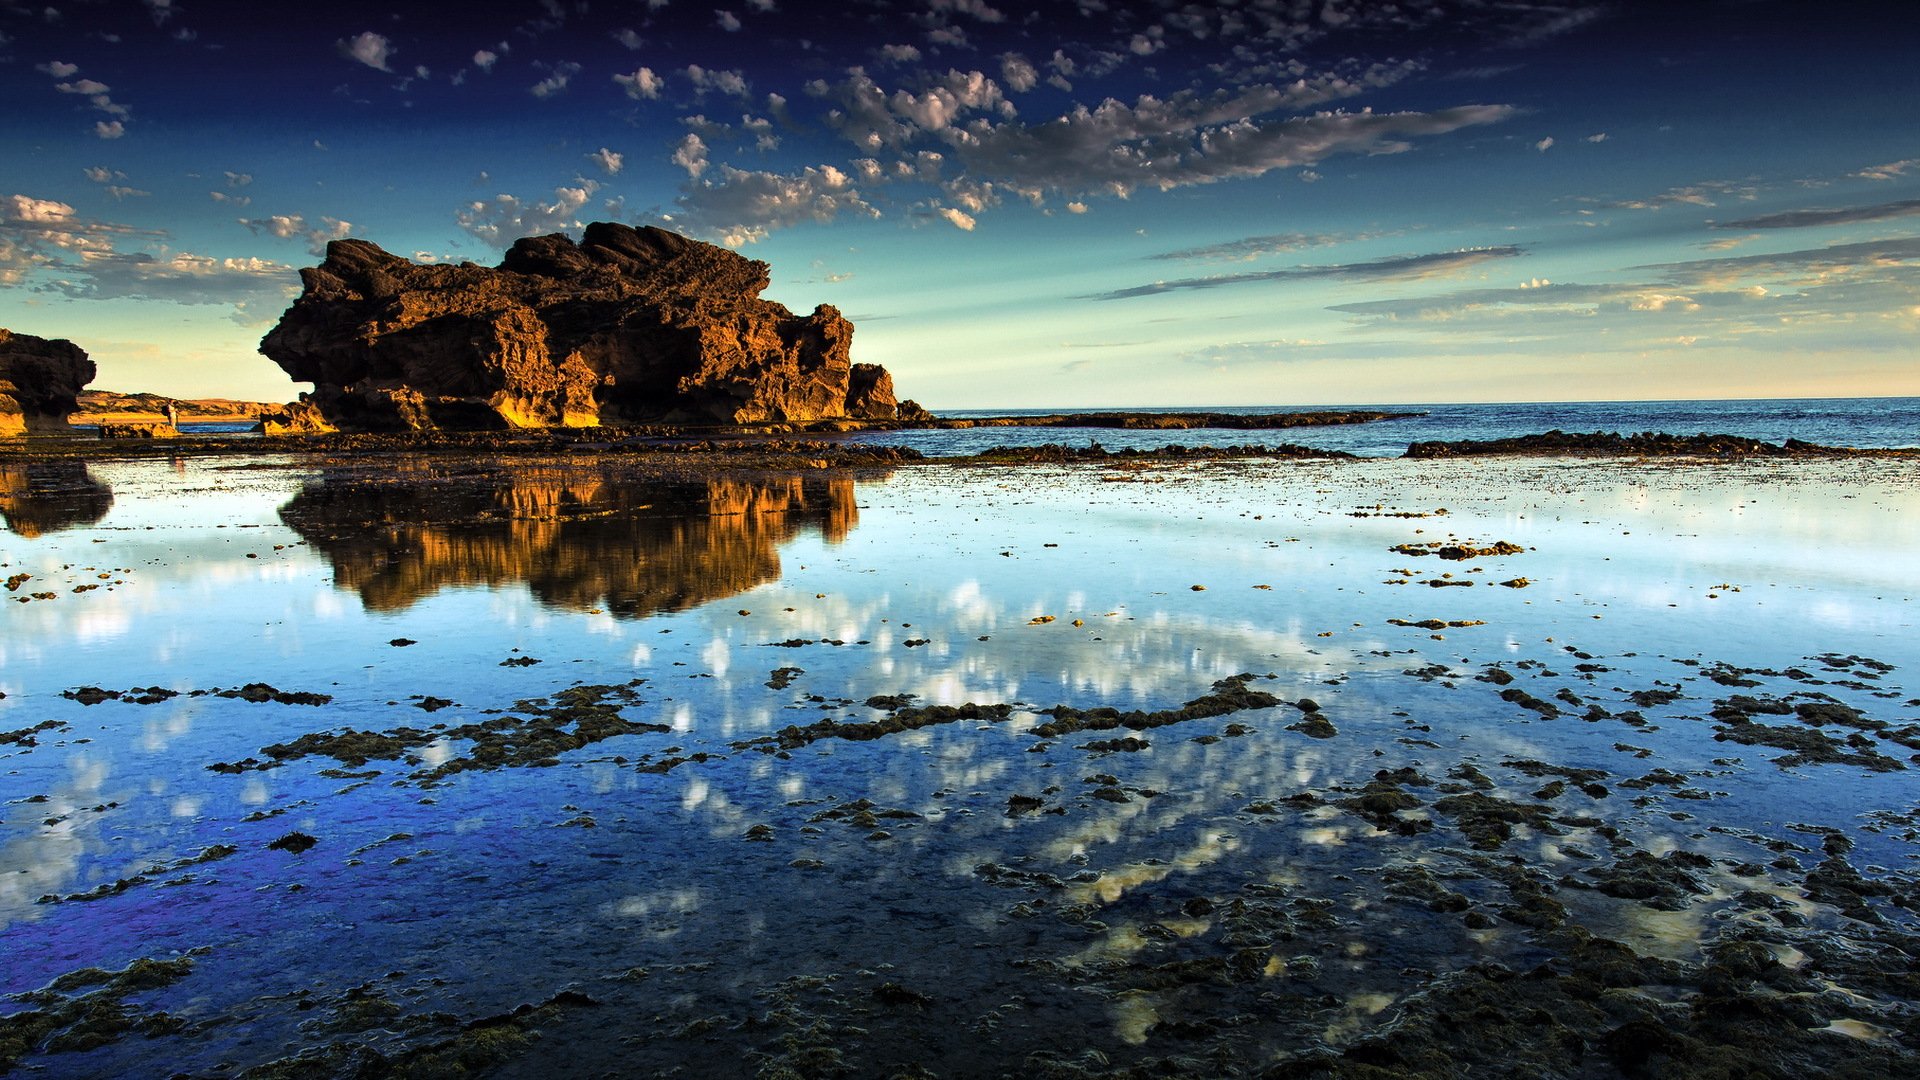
(40, 382)
(634, 325)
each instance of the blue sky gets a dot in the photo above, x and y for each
(1085, 203)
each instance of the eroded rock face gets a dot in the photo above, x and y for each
(40, 382)
(627, 325)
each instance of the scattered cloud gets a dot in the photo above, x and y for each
(691, 155)
(1253, 247)
(608, 160)
(1807, 219)
(505, 218)
(295, 227)
(59, 69)
(1892, 170)
(109, 129)
(484, 59)
(741, 207)
(726, 82)
(959, 219)
(1544, 145)
(642, 84)
(1702, 194)
(1433, 264)
(1018, 73)
(726, 20)
(238, 179)
(369, 48)
(557, 80)
(1596, 137)
(46, 245)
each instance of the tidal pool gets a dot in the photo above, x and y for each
(412, 765)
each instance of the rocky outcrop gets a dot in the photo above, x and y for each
(40, 382)
(635, 325)
(1644, 444)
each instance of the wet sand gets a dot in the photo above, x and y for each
(1276, 768)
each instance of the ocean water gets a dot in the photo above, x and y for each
(563, 732)
(1878, 423)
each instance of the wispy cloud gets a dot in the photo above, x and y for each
(1432, 264)
(1252, 247)
(1807, 219)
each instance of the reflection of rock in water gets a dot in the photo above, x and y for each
(50, 495)
(579, 541)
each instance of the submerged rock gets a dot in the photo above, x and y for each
(628, 324)
(40, 382)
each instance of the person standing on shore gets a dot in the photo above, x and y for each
(173, 417)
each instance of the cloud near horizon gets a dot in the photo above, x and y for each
(1400, 266)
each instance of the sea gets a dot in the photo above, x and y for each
(1866, 423)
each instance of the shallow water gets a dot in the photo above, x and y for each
(823, 900)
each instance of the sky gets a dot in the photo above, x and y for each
(1081, 203)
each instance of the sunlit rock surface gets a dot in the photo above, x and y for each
(40, 382)
(627, 325)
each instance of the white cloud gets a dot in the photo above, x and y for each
(563, 72)
(726, 82)
(629, 38)
(295, 227)
(978, 9)
(1018, 73)
(761, 5)
(726, 20)
(608, 160)
(1892, 170)
(740, 207)
(485, 59)
(957, 218)
(100, 174)
(238, 179)
(1076, 208)
(109, 129)
(691, 155)
(1597, 137)
(643, 83)
(505, 218)
(899, 54)
(1544, 145)
(59, 69)
(230, 199)
(369, 48)
(1117, 149)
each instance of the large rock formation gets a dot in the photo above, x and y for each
(627, 325)
(40, 382)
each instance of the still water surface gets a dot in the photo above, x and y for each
(687, 876)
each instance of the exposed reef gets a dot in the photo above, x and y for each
(40, 381)
(1643, 444)
(628, 325)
